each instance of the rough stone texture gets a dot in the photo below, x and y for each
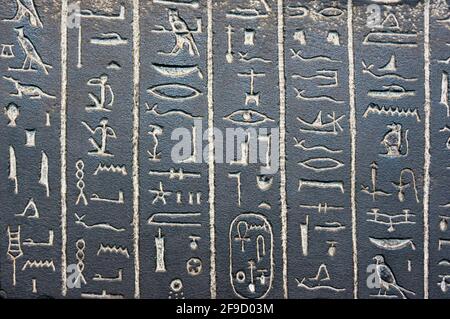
(359, 176)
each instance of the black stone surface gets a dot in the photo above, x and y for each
(144, 225)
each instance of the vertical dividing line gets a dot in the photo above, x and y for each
(351, 90)
(62, 140)
(427, 155)
(211, 159)
(136, 76)
(282, 86)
